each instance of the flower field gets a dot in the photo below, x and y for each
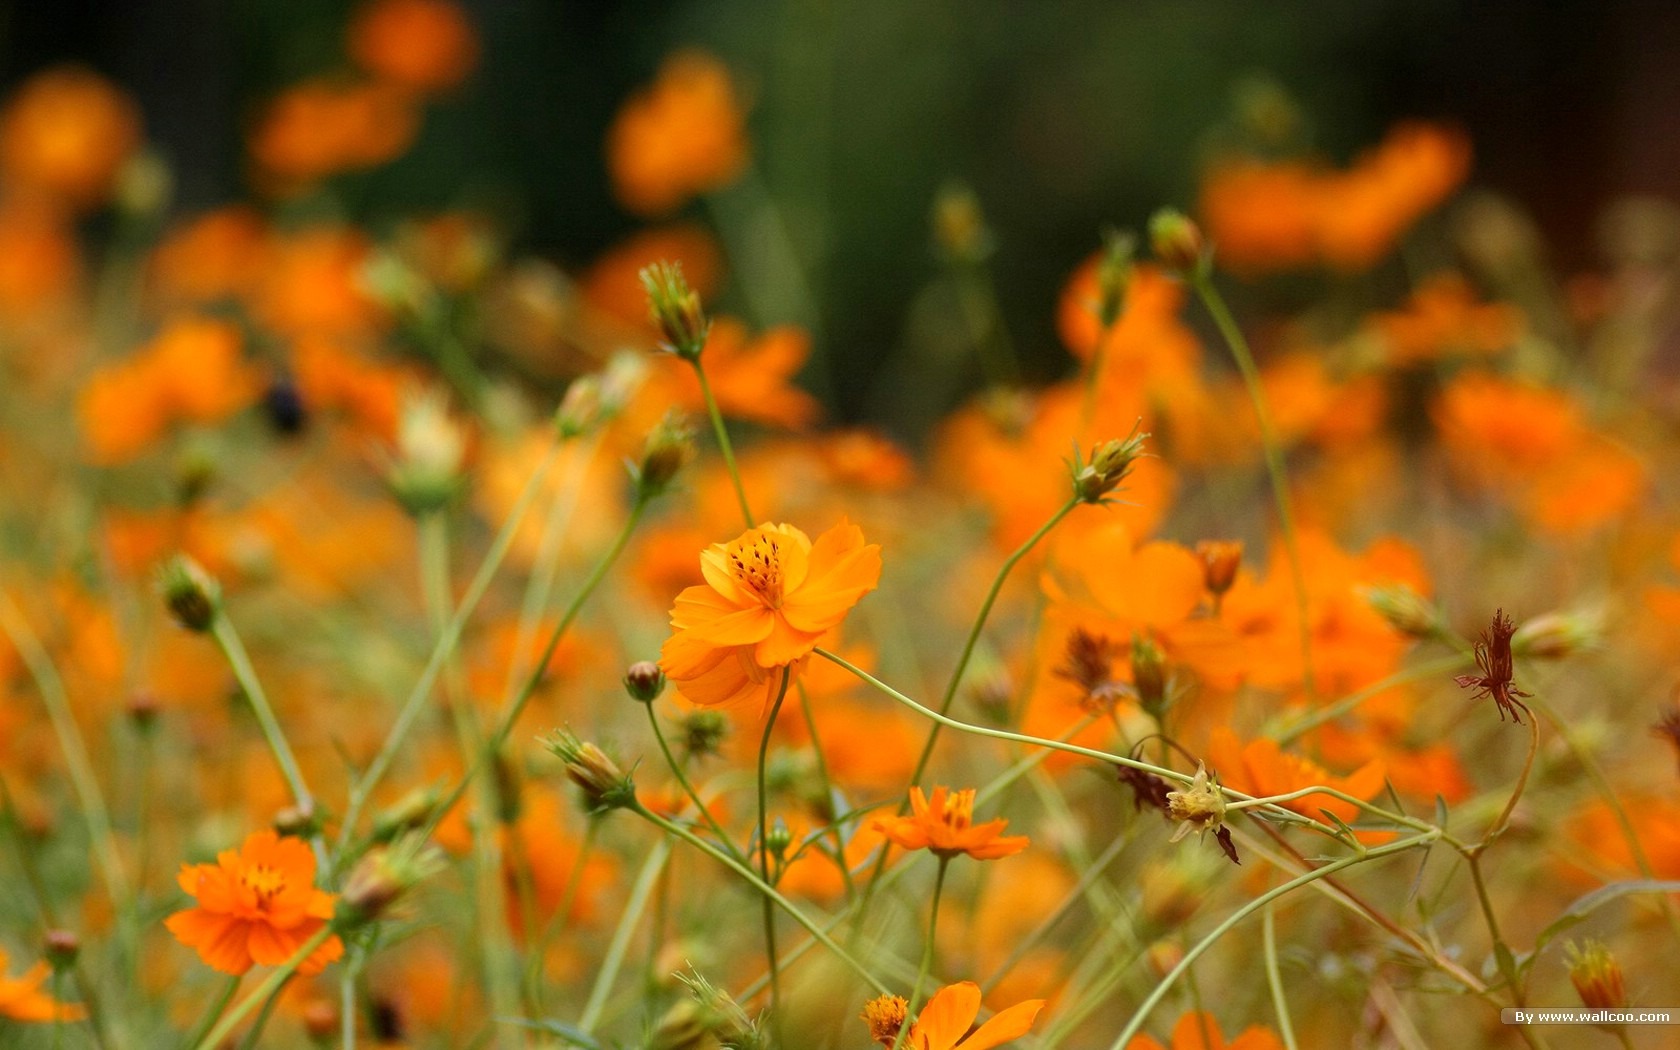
(410, 640)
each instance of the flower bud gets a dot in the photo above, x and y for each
(425, 474)
(192, 595)
(1109, 464)
(299, 821)
(1149, 675)
(675, 309)
(320, 1021)
(61, 947)
(777, 840)
(1406, 610)
(1177, 242)
(1114, 275)
(959, 227)
(384, 875)
(1555, 636)
(1597, 976)
(644, 681)
(708, 1020)
(409, 813)
(1220, 561)
(669, 448)
(605, 786)
(703, 733)
(143, 710)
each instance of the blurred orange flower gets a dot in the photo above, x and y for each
(1444, 316)
(751, 378)
(257, 905)
(420, 45)
(769, 596)
(683, 135)
(1261, 767)
(945, 826)
(65, 135)
(21, 998)
(1199, 1031)
(326, 125)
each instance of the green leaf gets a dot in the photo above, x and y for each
(1584, 906)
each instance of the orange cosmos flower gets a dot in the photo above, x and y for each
(1262, 768)
(21, 998)
(946, 1020)
(256, 905)
(421, 45)
(946, 826)
(65, 134)
(1199, 1031)
(769, 596)
(685, 134)
(750, 377)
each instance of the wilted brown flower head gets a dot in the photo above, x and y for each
(1089, 664)
(1493, 656)
(1147, 789)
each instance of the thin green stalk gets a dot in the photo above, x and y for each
(347, 1009)
(819, 934)
(214, 1013)
(257, 1026)
(764, 847)
(539, 948)
(269, 988)
(1501, 951)
(1087, 878)
(76, 759)
(511, 713)
(363, 788)
(1280, 1002)
(927, 949)
(1230, 922)
(827, 782)
(1330, 712)
(688, 788)
(724, 445)
(1202, 282)
(633, 909)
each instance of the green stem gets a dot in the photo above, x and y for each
(1215, 304)
(927, 948)
(214, 1013)
(227, 639)
(688, 788)
(1501, 951)
(724, 445)
(633, 909)
(539, 947)
(1330, 712)
(820, 935)
(270, 987)
(764, 847)
(1280, 1002)
(363, 787)
(1201, 947)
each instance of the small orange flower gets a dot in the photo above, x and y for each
(65, 134)
(256, 906)
(683, 135)
(769, 597)
(21, 998)
(946, 1019)
(945, 825)
(1199, 1031)
(421, 45)
(750, 377)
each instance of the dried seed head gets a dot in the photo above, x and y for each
(1147, 789)
(1199, 807)
(1493, 657)
(1089, 663)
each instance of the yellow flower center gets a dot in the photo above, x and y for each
(958, 810)
(755, 560)
(886, 1015)
(264, 881)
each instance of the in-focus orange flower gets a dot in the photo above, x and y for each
(683, 135)
(1199, 1031)
(946, 1019)
(769, 597)
(945, 826)
(21, 998)
(65, 134)
(257, 905)
(421, 45)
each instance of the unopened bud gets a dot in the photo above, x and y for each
(1149, 675)
(959, 227)
(1555, 636)
(1177, 242)
(410, 812)
(1597, 977)
(299, 821)
(425, 475)
(605, 786)
(320, 1021)
(195, 471)
(668, 449)
(675, 309)
(1406, 610)
(192, 595)
(644, 681)
(778, 839)
(1114, 275)
(61, 947)
(384, 875)
(1220, 561)
(143, 710)
(1108, 466)
(703, 733)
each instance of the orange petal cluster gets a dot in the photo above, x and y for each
(21, 998)
(945, 826)
(946, 1019)
(257, 905)
(683, 135)
(769, 597)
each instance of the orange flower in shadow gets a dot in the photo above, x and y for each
(1199, 1031)
(945, 826)
(325, 126)
(769, 597)
(419, 45)
(257, 905)
(683, 135)
(21, 998)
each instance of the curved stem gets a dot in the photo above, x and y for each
(688, 788)
(724, 446)
(1215, 303)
